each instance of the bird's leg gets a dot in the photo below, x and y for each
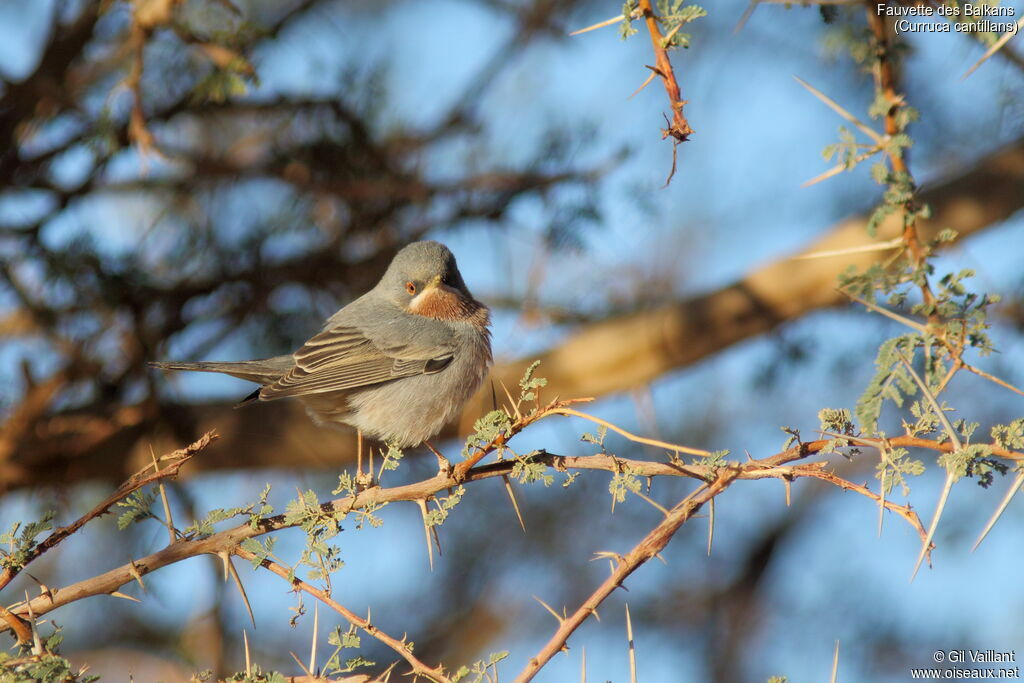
(363, 480)
(443, 465)
(359, 453)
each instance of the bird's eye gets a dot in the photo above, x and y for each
(411, 288)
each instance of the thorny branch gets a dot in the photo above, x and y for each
(714, 475)
(649, 547)
(399, 646)
(678, 128)
(137, 481)
(884, 71)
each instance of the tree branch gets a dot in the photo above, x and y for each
(649, 547)
(227, 541)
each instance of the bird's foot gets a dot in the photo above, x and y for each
(461, 470)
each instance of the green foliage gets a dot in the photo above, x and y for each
(794, 437)
(21, 545)
(626, 27)
(444, 507)
(348, 639)
(391, 458)
(344, 640)
(964, 313)
(836, 421)
(45, 667)
(875, 280)
(486, 430)
(673, 15)
(257, 675)
(1010, 436)
(957, 462)
(260, 508)
(255, 512)
(596, 439)
(622, 483)
(321, 524)
(927, 421)
(974, 460)
(527, 471)
(204, 527)
(899, 193)
(529, 384)
(778, 679)
(261, 551)
(882, 384)
(985, 469)
(136, 508)
(880, 173)
(478, 672)
(893, 468)
(848, 40)
(346, 485)
(715, 460)
(364, 515)
(845, 151)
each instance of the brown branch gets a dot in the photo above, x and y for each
(399, 646)
(21, 628)
(679, 128)
(649, 547)
(884, 72)
(136, 482)
(228, 540)
(903, 511)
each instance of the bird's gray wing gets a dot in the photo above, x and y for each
(344, 357)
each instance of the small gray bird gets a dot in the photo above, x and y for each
(397, 363)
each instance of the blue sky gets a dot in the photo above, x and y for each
(734, 203)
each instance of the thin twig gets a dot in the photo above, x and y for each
(134, 483)
(992, 378)
(996, 46)
(399, 646)
(778, 466)
(632, 437)
(679, 128)
(649, 547)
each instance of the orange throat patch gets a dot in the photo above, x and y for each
(444, 303)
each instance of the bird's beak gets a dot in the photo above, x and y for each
(436, 284)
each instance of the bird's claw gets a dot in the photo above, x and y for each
(460, 471)
(364, 480)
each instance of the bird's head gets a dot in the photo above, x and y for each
(424, 279)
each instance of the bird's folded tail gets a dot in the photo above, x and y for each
(263, 371)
